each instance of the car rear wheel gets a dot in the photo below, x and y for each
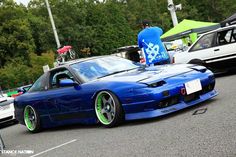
(108, 109)
(31, 119)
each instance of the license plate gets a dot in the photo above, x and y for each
(193, 86)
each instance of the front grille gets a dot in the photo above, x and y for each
(207, 88)
(196, 95)
(191, 97)
(6, 119)
(168, 102)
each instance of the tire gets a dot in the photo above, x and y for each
(31, 119)
(108, 109)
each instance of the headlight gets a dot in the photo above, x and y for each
(199, 68)
(157, 84)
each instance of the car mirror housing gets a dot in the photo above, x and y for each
(67, 83)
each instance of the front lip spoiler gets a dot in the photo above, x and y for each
(170, 109)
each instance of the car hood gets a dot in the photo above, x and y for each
(151, 74)
(6, 101)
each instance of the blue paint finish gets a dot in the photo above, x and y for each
(159, 112)
(75, 104)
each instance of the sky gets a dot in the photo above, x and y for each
(25, 2)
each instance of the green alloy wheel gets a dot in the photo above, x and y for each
(31, 119)
(108, 109)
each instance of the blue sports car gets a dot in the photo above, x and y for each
(110, 89)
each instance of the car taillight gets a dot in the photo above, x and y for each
(142, 60)
(173, 60)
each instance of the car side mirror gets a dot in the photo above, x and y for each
(67, 83)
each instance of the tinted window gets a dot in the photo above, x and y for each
(204, 42)
(57, 76)
(226, 37)
(38, 85)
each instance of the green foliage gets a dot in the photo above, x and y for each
(16, 37)
(15, 73)
(92, 27)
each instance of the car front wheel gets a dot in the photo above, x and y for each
(31, 119)
(108, 109)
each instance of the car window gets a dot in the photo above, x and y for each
(100, 67)
(234, 34)
(169, 46)
(204, 42)
(38, 85)
(57, 76)
(226, 37)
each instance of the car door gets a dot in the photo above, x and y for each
(63, 102)
(203, 49)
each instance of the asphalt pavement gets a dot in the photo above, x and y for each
(208, 129)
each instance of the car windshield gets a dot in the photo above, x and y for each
(101, 67)
(169, 46)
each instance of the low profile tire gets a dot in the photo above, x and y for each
(108, 109)
(31, 119)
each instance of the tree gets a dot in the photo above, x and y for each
(15, 73)
(15, 35)
(91, 27)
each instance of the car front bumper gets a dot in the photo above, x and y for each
(7, 113)
(151, 113)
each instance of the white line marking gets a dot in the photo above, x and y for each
(53, 148)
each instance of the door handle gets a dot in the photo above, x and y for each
(216, 49)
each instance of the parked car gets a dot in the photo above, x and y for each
(134, 53)
(215, 50)
(110, 89)
(6, 109)
(131, 52)
(21, 90)
(173, 48)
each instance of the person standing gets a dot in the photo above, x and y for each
(150, 43)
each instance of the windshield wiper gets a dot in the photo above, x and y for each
(116, 72)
